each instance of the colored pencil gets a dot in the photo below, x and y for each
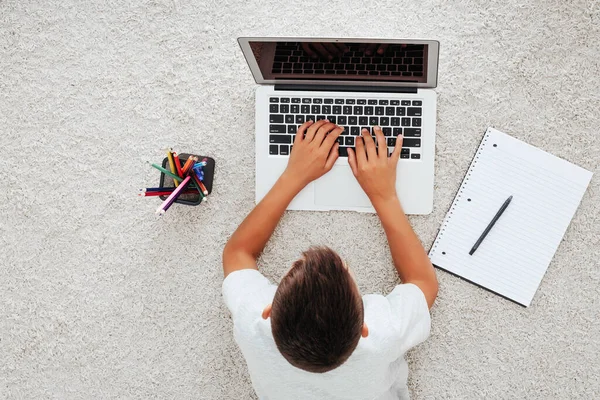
(167, 193)
(172, 165)
(177, 164)
(173, 196)
(188, 164)
(158, 189)
(198, 183)
(164, 171)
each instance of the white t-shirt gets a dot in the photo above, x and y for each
(375, 370)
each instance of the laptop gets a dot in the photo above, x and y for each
(355, 83)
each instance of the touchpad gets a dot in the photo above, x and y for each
(339, 188)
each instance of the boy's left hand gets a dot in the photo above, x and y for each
(313, 155)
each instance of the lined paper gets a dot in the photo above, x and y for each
(515, 255)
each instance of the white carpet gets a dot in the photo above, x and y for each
(100, 299)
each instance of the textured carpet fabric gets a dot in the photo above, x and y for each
(100, 299)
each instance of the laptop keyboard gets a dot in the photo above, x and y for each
(395, 117)
(407, 60)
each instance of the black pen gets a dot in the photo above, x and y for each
(490, 226)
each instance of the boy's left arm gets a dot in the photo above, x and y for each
(314, 153)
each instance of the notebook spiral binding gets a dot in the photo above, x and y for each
(463, 185)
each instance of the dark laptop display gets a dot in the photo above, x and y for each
(389, 62)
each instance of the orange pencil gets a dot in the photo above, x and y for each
(188, 164)
(177, 164)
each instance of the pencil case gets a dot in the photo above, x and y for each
(189, 199)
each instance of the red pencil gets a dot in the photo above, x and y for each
(146, 194)
(177, 164)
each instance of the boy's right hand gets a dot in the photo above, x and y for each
(375, 171)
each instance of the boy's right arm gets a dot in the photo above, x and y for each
(376, 174)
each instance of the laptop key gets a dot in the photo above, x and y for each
(391, 142)
(310, 118)
(378, 110)
(387, 131)
(395, 121)
(300, 119)
(410, 142)
(295, 100)
(289, 119)
(405, 102)
(284, 150)
(328, 101)
(291, 129)
(361, 101)
(332, 118)
(305, 109)
(363, 121)
(347, 110)
(412, 132)
(372, 102)
(305, 100)
(358, 110)
(339, 101)
(384, 121)
(349, 141)
(390, 110)
(343, 151)
(284, 139)
(342, 120)
(405, 122)
(326, 109)
(285, 99)
(401, 111)
(315, 109)
(355, 131)
(415, 103)
(383, 102)
(397, 131)
(284, 108)
(394, 102)
(413, 111)
(295, 109)
(340, 140)
(415, 156)
(373, 121)
(274, 108)
(369, 110)
(416, 122)
(320, 117)
(353, 120)
(350, 101)
(273, 149)
(274, 100)
(317, 101)
(337, 109)
(276, 118)
(405, 151)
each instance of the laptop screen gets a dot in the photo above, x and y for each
(341, 61)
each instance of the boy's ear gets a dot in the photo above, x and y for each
(267, 311)
(364, 332)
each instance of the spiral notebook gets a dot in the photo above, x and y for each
(513, 258)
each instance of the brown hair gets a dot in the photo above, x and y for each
(317, 313)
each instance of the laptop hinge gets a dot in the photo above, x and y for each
(341, 88)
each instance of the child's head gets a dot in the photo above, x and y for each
(317, 312)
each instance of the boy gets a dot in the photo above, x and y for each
(313, 336)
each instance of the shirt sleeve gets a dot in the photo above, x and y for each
(247, 291)
(400, 320)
